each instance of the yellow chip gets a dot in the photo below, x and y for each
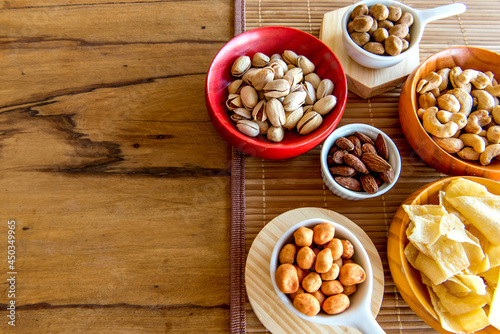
(473, 282)
(464, 187)
(449, 255)
(494, 313)
(493, 253)
(456, 287)
(483, 213)
(430, 268)
(473, 321)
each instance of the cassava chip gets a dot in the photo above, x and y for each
(483, 213)
(464, 187)
(494, 313)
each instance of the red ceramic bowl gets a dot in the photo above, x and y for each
(270, 40)
(417, 137)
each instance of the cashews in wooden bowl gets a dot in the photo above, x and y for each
(449, 113)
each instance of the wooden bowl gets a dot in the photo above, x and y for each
(406, 277)
(418, 138)
(270, 40)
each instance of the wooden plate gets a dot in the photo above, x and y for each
(406, 277)
(272, 313)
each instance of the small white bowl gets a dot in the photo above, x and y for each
(372, 132)
(358, 314)
(420, 20)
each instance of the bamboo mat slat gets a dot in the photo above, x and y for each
(273, 187)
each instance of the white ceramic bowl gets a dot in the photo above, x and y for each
(420, 19)
(358, 314)
(372, 132)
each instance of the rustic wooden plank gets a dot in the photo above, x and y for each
(111, 168)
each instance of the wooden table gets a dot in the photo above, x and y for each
(110, 167)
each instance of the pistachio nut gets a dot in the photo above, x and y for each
(276, 56)
(279, 73)
(248, 76)
(313, 78)
(294, 76)
(297, 88)
(260, 60)
(262, 77)
(263, 126)
(277, 88)
(310, 92)
(259, 111)
(235, 86)
(249, 97)
(290, 57)
(308, 108)
(248, 127)
(305, 64)
(294, 100)
(240, 66)
(241, 113)
(275, 134)
(309, 122)
(292, 118)
(233, 101)
(290, 66)
(275, 112)
(325, 105)
(325, 88)
(280, 62)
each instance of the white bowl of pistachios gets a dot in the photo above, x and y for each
(275, 92)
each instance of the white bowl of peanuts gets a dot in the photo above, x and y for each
(322, 273)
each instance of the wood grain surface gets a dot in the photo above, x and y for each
(110, 167)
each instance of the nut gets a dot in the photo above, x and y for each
(381, 147)
(344, 144)
(349, 183)
(369, 184)
(375, 162)
(355, 163)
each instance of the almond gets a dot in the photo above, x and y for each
(381, 147)
(374, 162)
(333, 149)
(355, 140)
(364, 138)
(357, 152)
(387, 176)
(367, 147)
(369, 184)
(349, 183)
(338, 157)
(355, 163)
(344, 144)
(342, 170)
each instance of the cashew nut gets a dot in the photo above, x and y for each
(445, 116)
(430, 82)
(433, 126)
(465, 100)
(448, 102)
(450, 145)
(427, 100)
(489, 153)
(495, 112)
(475, 141)
(476, 121)
(477, 78)
(468, 153)
(493, 134)
(484, 99)
(454, 73)
(444, 74)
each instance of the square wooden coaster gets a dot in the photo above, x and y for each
(363, 81)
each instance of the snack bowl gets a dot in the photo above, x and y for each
(407, 279)
(358, 314)
(421, 18)
(271, 40)
(418, 138)
(348, 130)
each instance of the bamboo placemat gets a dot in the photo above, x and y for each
(273, 187)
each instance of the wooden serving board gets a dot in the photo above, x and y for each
(363, 81)
(273, 314)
